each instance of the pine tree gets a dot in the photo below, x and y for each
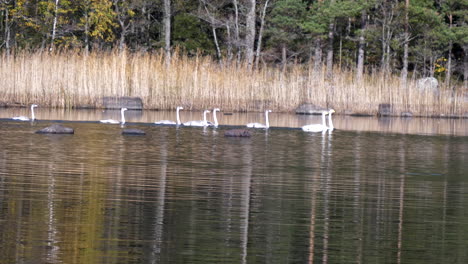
(285, 25)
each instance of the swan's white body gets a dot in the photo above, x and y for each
(112, 121)
(330, 122)
(25, 118)
(321, 127)
(317, 127)
(258, 125)
(215, 124)
(198, 123)
(169, 122)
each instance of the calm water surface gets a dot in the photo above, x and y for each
(190, 195)
(422, 126)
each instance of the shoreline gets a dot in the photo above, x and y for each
(278, 121)
(6, 105)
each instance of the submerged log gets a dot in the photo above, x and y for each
(133, 131)
(237, 133)
(56, 129)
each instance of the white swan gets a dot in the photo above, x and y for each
(215, 124)
(330, 122)
(112, 121)
(258, 125)
(25, 118)
(169, 122)
(198, 123)
(317, 127)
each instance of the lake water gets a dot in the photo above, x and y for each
(190, 195)
(422, 126)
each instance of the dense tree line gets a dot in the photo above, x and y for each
(407, 37)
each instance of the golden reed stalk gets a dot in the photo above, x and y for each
(72, 79)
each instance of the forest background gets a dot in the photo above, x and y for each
(241, 55)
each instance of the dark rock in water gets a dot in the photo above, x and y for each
(237, 133)
(385, 110)
(56, 129)
(131, 103)
(406, 114)
(310, 109)
(133, 131)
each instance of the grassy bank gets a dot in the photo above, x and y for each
(73, 79)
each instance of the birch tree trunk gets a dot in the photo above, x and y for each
(465, 67)
(122, 35)
(7, 30)
(215, 38)
(54, 27)
(250, 33)
(284, 58)
(404, 71)
(167, 30)
(213, 23)
(229, 40)
(236, 29)
(260, 34)
(86, 35)
(448, 74)
(331, 35)
(318, 55)
(362, 43)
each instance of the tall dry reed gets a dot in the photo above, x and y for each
(74, 79)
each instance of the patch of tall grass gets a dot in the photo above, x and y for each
(72, 79)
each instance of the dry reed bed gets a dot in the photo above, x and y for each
(74, 79)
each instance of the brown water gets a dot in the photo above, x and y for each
(190, 195)
(425, 126)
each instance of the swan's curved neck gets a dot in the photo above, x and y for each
(214, 117)
(267, 122)
(33, 117)
(330, 122)
(122, 116)
(204, 116)
(323, 119)
(178, 117)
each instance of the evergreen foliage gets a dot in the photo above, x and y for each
(437, 29)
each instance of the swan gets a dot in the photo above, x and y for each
(215, 124)
(198, 123)
(330, 122)
(25, 118)
(258, 125)
(317, 127)
(112, 121)
(169, 122)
